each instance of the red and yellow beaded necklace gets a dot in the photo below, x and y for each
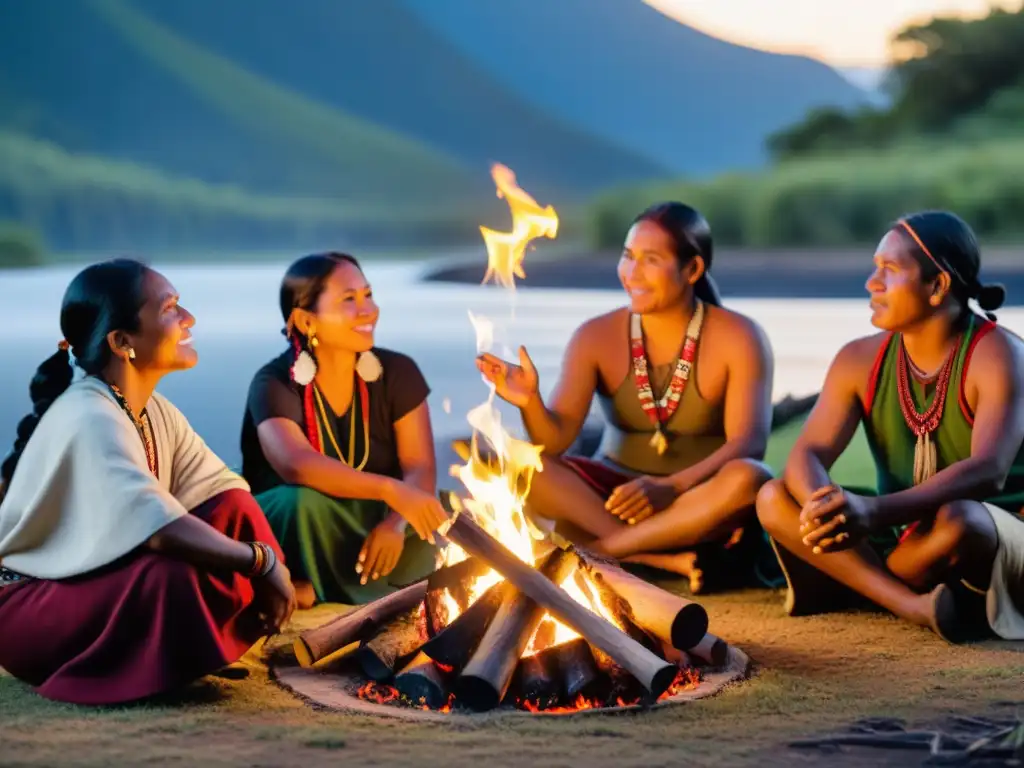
(661, 411)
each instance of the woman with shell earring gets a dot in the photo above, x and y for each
(337, 443)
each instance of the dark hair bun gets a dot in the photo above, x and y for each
(991, 297)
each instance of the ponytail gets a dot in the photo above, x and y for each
(52, 378)
(706, 290)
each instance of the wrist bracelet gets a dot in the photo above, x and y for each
(264, 559)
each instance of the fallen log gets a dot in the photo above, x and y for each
(423, 682)
(537, 679)
(358, 624)
(391, 646)
(577, 668)
(453, 646)
(669, 617)
(486, 677)
(711, 650)
(654, 673)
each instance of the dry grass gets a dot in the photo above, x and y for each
(813, 674)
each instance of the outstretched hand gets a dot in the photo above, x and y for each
(515, 384)
(834, 519)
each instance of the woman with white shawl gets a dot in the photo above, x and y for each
(132, 560)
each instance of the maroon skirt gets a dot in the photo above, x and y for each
(143, 625)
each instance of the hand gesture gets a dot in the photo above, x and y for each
(515, 384)
(382, 549)
(422, 510)
(635, 501)
(834, 519)
(275, 597)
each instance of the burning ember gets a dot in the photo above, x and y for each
(510, 618)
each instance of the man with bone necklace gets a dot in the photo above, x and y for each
(939, 393)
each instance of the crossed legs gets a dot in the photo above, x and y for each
(958, 542)
(708, 512)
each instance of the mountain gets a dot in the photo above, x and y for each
(166, 121)
(640, 78)
(870, 80)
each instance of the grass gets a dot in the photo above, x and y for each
(812, 675)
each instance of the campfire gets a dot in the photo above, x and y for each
(515, 616)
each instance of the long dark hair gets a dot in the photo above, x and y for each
(691, 236)
(941, 241)
(102, 298)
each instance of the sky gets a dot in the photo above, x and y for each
(840, 32)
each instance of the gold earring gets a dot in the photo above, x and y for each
(131, 353)
(313, 341)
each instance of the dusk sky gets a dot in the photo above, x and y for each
(839, 32)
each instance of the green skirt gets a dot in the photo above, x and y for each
(321, 537)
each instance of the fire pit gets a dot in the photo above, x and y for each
(573, 633)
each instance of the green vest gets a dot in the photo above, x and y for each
(890, 439)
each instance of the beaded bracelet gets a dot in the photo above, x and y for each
(264, 559)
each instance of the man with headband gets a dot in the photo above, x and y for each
(940, 393)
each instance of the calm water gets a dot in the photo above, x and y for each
(238, 329)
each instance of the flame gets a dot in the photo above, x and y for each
(499, 469)
(506, 250)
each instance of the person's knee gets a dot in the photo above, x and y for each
(745, 477)
(962, 523)
(774, 506)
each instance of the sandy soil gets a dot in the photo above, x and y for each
(813, 676)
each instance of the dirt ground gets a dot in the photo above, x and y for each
(812, 676)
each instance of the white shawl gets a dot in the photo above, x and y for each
(83, 495)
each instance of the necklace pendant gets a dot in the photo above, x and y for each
(658, 441)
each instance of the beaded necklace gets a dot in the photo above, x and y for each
(923, 424)
(142, 426)
(660, 411)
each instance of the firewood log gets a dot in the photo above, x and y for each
(711, 650)
(453, 646)
(672, 618)
(486, 677)
(391, 646)
(654, 673)
(358, 624)
(423, 682)
(537, 679)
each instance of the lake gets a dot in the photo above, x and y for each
(238, 328)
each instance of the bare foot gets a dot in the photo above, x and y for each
(305, 595)
(683, 563)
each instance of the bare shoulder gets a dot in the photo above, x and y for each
(853, 362)
(743, 332)
(595, 331)
(1001, 349)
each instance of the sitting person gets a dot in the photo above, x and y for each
(133, 560)
(337, 443)
(685, 386)
(939, 395)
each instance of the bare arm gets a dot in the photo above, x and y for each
(556, 425)
(832, 422)
(748, 408)
(995, 440)
(415, 441)
(190, 539)
(292, 457)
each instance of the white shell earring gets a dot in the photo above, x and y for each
(369, 367)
